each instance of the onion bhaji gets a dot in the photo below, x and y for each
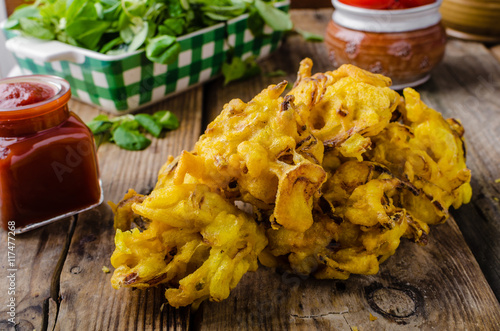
(337, 171)
(197, 243)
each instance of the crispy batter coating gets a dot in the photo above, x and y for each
(348, 103)
(197, 243)
(262, 153)
(429, 152)
(337, 172)
(358, 224)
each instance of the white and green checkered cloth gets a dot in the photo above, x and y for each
(130, 82)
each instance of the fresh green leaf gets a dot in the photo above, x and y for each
(21, 12)
(99, 126)
(163, 49)
(309, 36)
(81, 9)
(101, 138)
(278, 20)
(101, 117)
(24, 11)
(123, 118)
(111, 44)
(36, 29)
(172, 26)
(128, 139)
(238, 69)
(87, 32)
(149, 123)
(166, 119)
(128, 124)
(256, 23)
(139, 39)
(121, 26)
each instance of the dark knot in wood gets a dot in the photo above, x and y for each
(397, 302)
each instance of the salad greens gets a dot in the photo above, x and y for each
(121, 26)
(127, 131)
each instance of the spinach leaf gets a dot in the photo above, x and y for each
(21, 12)
(149, 123)
(238, 69)
(130, 139)
(99, 126)
(163, 49)
(140, 38)
(166, 119)
(275, 18)
(36, 28)
(127, 131)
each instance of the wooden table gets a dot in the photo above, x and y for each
(453, 283)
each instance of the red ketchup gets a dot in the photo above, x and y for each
(48, 166)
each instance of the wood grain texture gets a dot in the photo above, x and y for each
(88, 300)
(496, 51)
(435, 287)
(36, 254)
(466, 86)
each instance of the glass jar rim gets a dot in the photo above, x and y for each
(61, 97)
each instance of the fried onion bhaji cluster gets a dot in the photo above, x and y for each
(337, 171)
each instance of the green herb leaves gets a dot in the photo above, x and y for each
(275, 18)
(127, 131)
(239, 69)
(122, 26)
(163, 49)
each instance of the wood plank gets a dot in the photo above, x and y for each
(466, 86)
(496, 51)
(439, 286)
(310, 4)
(36, 256)
(88, 300)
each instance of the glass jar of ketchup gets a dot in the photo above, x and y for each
(48, 165)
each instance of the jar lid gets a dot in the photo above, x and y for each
(386, 21)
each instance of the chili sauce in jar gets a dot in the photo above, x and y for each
(48, 165)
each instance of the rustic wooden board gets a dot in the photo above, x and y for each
(467, 86)
(36, 253)
(439, 286)
(496, 51)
